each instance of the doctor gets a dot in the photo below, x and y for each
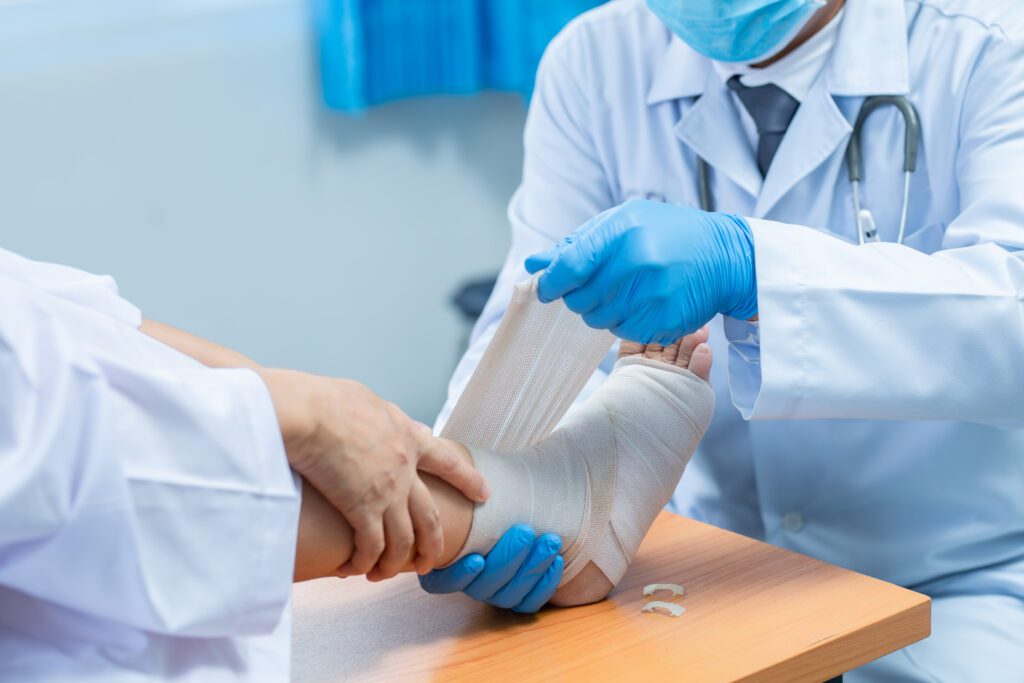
(871, 410)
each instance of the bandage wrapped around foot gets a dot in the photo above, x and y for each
(599, 479)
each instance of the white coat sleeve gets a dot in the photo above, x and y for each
(136, 485)
(882, 331)
(564, 185)
(98, 292)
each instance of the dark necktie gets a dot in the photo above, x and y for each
(772, 109)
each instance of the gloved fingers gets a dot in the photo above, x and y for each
(605, 317)
(543, 553)
(570, 270)
(456, 578)
(643, 324)
(541, 260)
(545, 588)
(632, 331)
(613, 294)
(400, 539)
(579, 257)
(502, 562)
(426, 523)
(586, 299)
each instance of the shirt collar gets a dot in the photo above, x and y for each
(869, 58)
(797, 72)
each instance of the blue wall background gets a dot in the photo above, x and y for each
(183, 147)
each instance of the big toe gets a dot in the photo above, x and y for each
(687, 345)
(700, 362)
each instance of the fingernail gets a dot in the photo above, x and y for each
(485, 492)
(702, 348)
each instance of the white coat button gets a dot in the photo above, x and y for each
(793, 522)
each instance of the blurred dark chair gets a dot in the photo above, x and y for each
(472, 296)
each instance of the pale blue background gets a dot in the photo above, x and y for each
(180, 146)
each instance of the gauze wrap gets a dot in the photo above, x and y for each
(538, 362)
(602, 476)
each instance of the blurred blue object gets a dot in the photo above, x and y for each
(375, 51)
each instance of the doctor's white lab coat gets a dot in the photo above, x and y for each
(874, 417)
(147, 512)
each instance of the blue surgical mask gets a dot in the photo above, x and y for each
(735, 30)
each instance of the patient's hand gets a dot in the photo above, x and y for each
(325, 539)
(365, 456)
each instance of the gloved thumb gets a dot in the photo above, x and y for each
(541, 260)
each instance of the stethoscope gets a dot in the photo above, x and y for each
(867, 230)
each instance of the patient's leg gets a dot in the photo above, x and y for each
(648, 417)
(602, 477)
(692, 354)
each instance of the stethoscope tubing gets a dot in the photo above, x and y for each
(854, 162)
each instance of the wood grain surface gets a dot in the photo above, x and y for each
(754, 612)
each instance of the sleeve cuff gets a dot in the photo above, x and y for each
(767, 359)
(280, 516)
(744, 339)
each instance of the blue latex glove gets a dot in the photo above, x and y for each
(520, 573)
(652, 272)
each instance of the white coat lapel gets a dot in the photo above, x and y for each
(870, 58)
(713, 130)
(818, 131)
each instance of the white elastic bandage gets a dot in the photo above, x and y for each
(538, 362)
(562, 485)
(601, 478)
(658, 413)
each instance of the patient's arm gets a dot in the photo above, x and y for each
(356, 448)
(203, 350)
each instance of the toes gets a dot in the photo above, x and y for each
(670, 353)
(653, 351)
(700, 362)
(628, 348)
(688, 344)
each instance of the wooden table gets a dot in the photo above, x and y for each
(754, 612)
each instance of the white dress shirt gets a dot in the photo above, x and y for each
(795, 73)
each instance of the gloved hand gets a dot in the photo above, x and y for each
(652, 272)
(520, 573)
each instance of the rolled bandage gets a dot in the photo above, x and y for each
(540, 358)
(601, 478)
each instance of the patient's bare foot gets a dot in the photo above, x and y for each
(691, 353)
